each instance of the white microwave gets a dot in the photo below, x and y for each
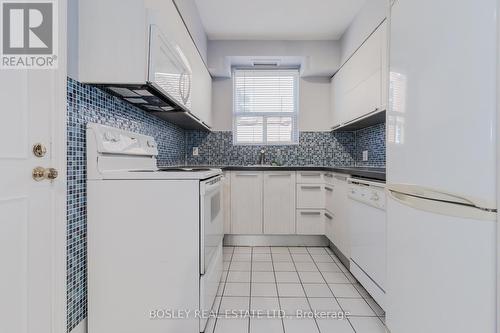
(169, 70)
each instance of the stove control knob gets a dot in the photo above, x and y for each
(110, 136)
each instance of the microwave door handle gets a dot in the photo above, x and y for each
(188, 87)
(181, 87)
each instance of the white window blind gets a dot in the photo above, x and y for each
(265, 109)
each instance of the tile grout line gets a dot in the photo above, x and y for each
(302, 285)
(335, 297)
(224, 287)
(250, 294)
(364, 299)
(276, 286)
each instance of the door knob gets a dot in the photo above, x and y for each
(40, 173)
(39, 150)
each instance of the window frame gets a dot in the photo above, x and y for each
(265, 115)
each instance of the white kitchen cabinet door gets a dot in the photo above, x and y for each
(360, 86)
(246, 202)
(336, 108)
(226, 201)
(329, 225)
(329, 199)
(310, 196)
(341, 234)
(329, 205)
(311, 222)
(365, 98)
(279, 202)
(202, 92)
(310, 177)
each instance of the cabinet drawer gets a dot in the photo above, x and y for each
(311, 222)
(329, 197)
(328, 177)
(310, 196)
(310, 177)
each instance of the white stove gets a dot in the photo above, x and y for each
(154, 236)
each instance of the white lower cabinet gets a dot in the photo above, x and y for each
(279, 202)
(286, 203)
(329, 190)
(310, 196)
(310, 177)
(246, 202)
(340, 228)
(329, 224)
(311, 222)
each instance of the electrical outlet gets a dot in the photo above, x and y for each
(196, 151)
(365, 155)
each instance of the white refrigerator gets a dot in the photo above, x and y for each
(441, 167)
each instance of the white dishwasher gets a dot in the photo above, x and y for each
(367, 224)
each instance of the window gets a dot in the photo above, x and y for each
(265, 106)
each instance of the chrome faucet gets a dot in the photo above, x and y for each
(262, 157)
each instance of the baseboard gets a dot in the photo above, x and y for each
(275, 240)
(81, 327)
(343, 259)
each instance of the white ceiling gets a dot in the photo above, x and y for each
(277, 19)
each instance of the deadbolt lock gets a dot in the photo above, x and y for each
(40, 173)
(39, 150)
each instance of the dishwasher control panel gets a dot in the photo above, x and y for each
(367, 193)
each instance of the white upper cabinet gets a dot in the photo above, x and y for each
(359, 87)
(111, 45)
(279, 202)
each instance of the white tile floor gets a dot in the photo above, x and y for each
(260, 284)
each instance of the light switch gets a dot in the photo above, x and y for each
(365, 155)
(195, 151)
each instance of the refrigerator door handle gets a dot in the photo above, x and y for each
(446, 197)
(443, 207)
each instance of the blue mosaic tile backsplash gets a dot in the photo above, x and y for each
(371, 139)
(89, 104)
(341, 149)
(314, 148)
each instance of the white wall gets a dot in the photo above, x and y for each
(368, 18)
(320, 58)
(314, 104)
(191, 16)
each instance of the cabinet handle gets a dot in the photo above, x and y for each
(341, 178)
(328, 188)
(329, 175)
(246, 175)
(280, 175)
(310, 174)
(328, 216)
(311, 187)
(310, 213)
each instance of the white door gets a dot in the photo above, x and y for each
(279, 202)
(33, 213)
